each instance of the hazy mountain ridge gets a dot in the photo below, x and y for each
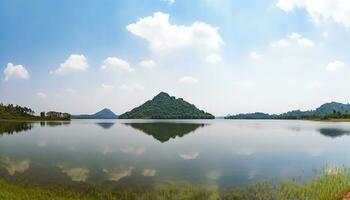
(324, 109)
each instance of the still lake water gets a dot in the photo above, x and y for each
(142, 153)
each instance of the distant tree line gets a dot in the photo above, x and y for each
(326, 111)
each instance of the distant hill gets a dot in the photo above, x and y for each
(323, 110)
(164, 106)
(103, 114)
(257, 115)
(329, 108)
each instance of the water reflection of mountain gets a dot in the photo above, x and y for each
(163, 131)
(10, 128)
(105, 125)
(334, 132)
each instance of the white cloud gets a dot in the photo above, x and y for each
(255, 56)
(320, 10)
(148, 64)
(280, 43)
(162, 35)
(113, 63)
(213, 59)
(106, 87)
(41, 95)
(335, 66)
(149, 172)
(118, 174)
(74, 63)
(293, 39)
(132, 87)
(170, 2)
(14, 167)
(189, 155)
(77, 174)
(188, 79)
(15, 71)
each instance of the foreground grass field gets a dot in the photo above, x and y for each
(333, 184)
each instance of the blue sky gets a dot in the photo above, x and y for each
(224, 56)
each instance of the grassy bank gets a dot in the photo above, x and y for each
(333, 184)
(332, 120)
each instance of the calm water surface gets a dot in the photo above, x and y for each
(142, 153)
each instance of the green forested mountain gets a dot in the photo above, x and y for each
(163, 106)
(327, 110)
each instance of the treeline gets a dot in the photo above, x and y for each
(11, 111)
(311, 116)
(16, 112)
(332, 110)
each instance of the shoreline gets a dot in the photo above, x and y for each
(35, 120)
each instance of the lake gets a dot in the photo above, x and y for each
(142, 153)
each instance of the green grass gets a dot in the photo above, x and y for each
(333, 184)
(333, 120)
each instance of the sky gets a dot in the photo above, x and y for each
(224, 56)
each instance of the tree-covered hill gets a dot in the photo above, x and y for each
(11, 111)
(15, 112)
(164, 106)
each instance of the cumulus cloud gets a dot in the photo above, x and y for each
(163, 35)
(188, 79)
(170, 2)
(41, 95)
(18, 71)
(113, 63)
(255, 56)
(77, 174)
(335, 66)
(118, 174)
(74, 63)
(213, 58)
(132, 87)
(148, 64)
(293, 39)
(320, 10)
